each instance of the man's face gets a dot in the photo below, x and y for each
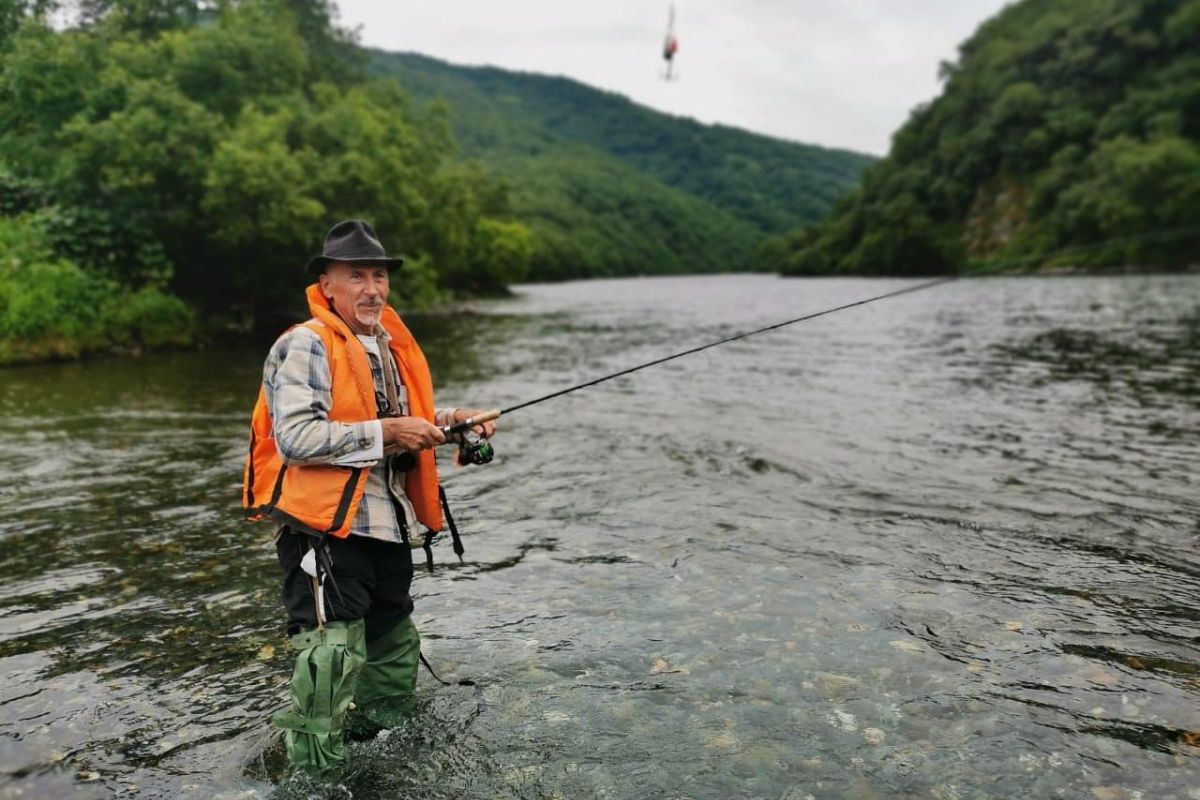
(357, 292)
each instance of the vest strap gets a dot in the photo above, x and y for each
(268, 508)
(248, 500)
(454, 537)
(339, 516)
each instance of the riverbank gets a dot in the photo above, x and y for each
(139, 327)
(162, 323)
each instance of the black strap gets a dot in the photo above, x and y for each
(268, 509)
(324, 561)
(401, 517)
(405, 536)
(454, 537)
(427, 539)
(343, 508)
(248, 502)
(427, 546)
(463, 682)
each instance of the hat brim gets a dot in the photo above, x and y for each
(318, 263)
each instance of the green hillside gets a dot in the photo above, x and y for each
(611, 187)
(1064, 123)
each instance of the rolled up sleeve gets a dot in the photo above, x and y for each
(299, 394)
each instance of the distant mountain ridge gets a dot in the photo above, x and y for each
(611, 187)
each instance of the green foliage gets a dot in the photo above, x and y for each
(415, 284)
(259, 198)
(501, 253)
(246, 57)
(280, 178)
(594, 217)
(1128, 188)
(46, 303)
(152, 318)
(51, 308)
(209, 157)
(141, 17)
(1063, 123)
(43, 76)
(21, 243)
(17, 194)
(14, 12)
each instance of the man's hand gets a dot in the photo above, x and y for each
(487, 429)
(409, 433)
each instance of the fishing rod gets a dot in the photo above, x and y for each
(475, 450)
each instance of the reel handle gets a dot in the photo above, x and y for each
(470, 422)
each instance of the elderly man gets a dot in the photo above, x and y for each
(341, 457)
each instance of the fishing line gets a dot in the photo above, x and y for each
(990, 270)
(726, 340)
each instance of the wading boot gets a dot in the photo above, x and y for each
(323, 684)
(386, 691)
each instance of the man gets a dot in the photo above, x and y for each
(341, 457)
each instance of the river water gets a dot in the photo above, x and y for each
(942, 546)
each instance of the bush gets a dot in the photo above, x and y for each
(51, 308)
(415, 285)
(500, 254)
(152, 318)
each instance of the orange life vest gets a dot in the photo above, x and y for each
(322, 497)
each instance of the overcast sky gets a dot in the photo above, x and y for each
(839, 73)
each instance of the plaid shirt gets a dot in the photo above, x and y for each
(298, 384)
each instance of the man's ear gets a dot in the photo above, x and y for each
(324, 280)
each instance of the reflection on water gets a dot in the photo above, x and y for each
(941, 546)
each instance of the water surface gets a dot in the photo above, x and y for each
(941, 546)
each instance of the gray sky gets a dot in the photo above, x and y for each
(839, 74)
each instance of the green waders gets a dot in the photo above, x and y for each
(385, 694)
(327, 668)
(335, 665)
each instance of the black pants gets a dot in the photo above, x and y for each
(372, 576)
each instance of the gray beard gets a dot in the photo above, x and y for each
(368, 318)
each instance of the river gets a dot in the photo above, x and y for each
(941, 546)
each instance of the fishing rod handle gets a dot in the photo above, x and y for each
(471, 422)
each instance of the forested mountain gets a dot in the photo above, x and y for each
(611, 187)
(1062, 124)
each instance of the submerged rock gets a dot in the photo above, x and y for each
(1110, 793)
(842, 719)
(832, 683)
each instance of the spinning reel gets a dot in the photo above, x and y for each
(472, 448)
